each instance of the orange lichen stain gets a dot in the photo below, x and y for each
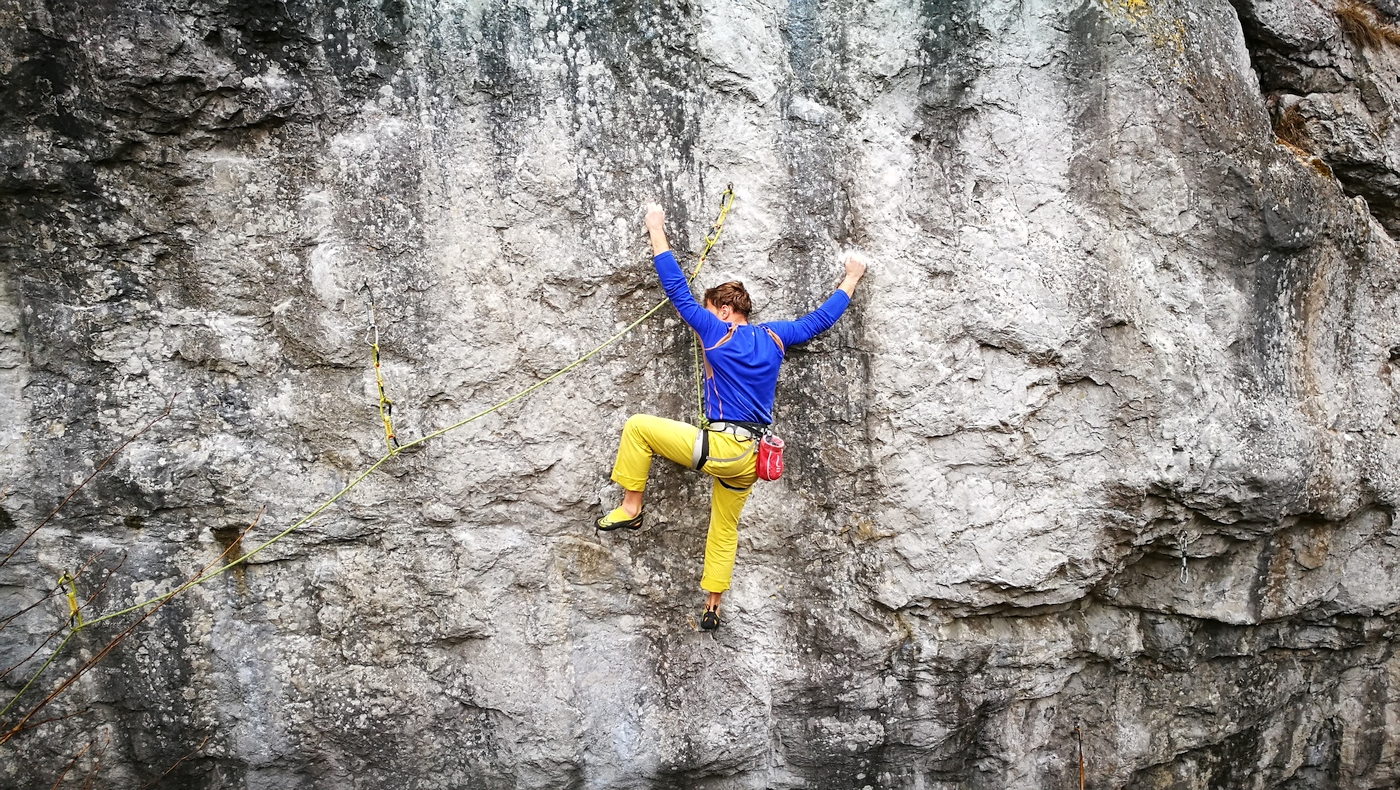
(1132, 10)
(1308, 158)
(1170, 35)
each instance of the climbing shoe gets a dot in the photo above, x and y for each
(618, 519)
(709, 621)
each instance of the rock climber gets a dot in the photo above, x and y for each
(741, 374)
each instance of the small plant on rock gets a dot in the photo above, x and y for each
(1291, 131)
(1364, 26)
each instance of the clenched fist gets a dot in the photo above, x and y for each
(855, 269)
(656, 218)
(855, 265)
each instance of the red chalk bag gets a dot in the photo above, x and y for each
(770, 458)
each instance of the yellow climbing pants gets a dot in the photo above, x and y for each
(644, 436)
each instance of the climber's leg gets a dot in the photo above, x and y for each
(722, 542)
(644, 436)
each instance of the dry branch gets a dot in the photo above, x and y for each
(192, 752)
(70, 765)
(168, 405)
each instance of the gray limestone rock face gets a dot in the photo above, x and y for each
(1098, 472)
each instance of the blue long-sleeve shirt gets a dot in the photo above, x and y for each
(742, 360)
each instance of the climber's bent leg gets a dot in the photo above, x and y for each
(644, 436)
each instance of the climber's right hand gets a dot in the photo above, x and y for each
(656, 221)
(656, 218)
(855, 265)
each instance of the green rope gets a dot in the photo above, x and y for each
(699, 385)
(201, 579)
(726, 200)
(72, 633)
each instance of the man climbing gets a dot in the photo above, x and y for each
(741, 375)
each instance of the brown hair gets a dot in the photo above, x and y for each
(731, 295)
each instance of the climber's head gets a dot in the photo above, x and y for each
(729, 302)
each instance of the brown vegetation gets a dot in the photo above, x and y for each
(18, 721)
(1363, 25)
(1292, 130)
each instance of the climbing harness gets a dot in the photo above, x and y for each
(700, 454)
(726, 201)
(386, 406)
(742, 431)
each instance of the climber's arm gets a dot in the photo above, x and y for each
(855, 269)
(709, 328)
(822, 319)
(656, 222)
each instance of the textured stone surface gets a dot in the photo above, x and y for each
(1342, 89)
(1112, 323)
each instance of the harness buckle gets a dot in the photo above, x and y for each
(744, 432)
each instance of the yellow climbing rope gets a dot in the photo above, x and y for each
(386, 406)
(726, 200)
